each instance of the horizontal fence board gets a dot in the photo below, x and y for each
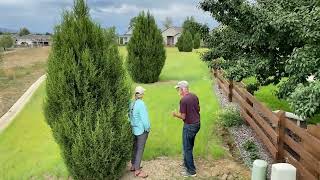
(302, 133)
(311, 161)
(272, 149)
(266, 111)
(303, 173)
(240, 92)
(271, 132)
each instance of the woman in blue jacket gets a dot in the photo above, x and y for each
(140, 123)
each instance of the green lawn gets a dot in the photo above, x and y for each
(27, 148)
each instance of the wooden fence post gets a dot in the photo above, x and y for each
(230, 91)
(215, 72)
(280, 129)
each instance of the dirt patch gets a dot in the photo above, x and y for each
(169, 168)
(21, 68)
(25, 57)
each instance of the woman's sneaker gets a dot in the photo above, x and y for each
(186, 174)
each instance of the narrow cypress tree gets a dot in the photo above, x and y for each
(187, 42)
(196, 41)
(146, 52)
(87, 98)
(180, 43)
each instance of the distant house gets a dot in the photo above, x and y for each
(124, 39)
(170, 36)
(32, 40)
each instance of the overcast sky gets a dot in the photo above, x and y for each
(42, 15)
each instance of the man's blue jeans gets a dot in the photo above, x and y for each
(189, 135)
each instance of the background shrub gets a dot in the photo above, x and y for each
(87, 98)
(185, 42)
(196, 41)
(180, 43)
(188, 42)
(230, 117)
(252, 87)
(146, 52)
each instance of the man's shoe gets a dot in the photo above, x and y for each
(186, 174)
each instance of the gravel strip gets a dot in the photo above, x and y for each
(243, 133)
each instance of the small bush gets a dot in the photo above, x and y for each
(185, 42)
(230, 117)
(196, 41)
(146, 52)
(188, 42)
(252, 87)
(252, 149)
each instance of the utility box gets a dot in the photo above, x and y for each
(283, 171)
(259, 170)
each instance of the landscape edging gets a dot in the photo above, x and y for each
(9, 116)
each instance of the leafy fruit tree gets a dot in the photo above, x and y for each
(269, 40)
(6, 41)
(185, 42)
(87, 97)
(196, 41)
(167, 22)
(24, 31)
(146, 52)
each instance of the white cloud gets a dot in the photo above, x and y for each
(123, 9)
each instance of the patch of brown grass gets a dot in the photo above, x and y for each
(21, 68)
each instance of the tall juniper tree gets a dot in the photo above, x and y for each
(146, 52)
(87, 97)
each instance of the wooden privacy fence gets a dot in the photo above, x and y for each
(285, 141)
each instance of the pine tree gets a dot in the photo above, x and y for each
(146, 52)
(196, 41)
(187, 42)
(87, 98)
(180, 43)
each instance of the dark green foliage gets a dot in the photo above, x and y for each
(252, 87)
(87, 98)
(252, 149)
(196, 41)
(132, 22)
(305, 99)
(180, 44)
(194, 27)
(24, 31)
(146, 52)
(230, 117)
(6, 41)
(269, 39)
(185, 42)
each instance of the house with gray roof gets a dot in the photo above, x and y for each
(124, 39)
(170, 36)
